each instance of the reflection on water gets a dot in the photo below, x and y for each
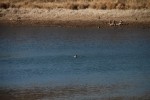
(44, 57)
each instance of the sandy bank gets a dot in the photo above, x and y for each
(67, 17)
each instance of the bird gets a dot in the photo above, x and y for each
(120, 23)
(113, 23)
(75, 56)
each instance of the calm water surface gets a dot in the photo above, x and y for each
(44, 57)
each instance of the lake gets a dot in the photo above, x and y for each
(109, 63)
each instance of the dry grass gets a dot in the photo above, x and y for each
(76, 4)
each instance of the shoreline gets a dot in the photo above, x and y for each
(71, 23)
(72, 92)
(74, 18)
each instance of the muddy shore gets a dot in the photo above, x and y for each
(74, 18)
(70, 93)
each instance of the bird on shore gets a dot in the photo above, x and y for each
(112, 23)
(120, 23)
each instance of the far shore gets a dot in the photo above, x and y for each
(74, 18)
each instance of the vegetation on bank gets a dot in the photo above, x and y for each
(76, 4)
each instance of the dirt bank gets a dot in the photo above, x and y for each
(67, 17)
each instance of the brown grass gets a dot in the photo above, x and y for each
(76, 4)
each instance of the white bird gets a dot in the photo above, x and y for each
(120, 23)
(113, 23)
(75, 56)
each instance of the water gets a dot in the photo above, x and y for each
(44, 57)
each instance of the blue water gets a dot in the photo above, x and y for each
(44, 56)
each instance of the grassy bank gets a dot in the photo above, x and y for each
(76, 4)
